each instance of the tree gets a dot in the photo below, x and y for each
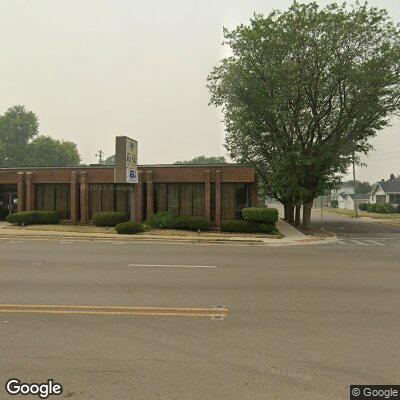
(109, 160)
(45, 151)
(303, 90)
(204, 160)
(361, 187)
(17, 127)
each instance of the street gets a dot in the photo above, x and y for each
(297, 322)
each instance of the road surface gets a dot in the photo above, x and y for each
(297, 322)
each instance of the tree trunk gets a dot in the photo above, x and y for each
(289, 212)
(307, 214)
(297, 215)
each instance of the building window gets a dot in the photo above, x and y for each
(53, 197)
(235, 197)
(381, 198)
(110, 197)
(394, 198)
(180, 199)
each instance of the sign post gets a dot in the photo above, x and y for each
(125, 170)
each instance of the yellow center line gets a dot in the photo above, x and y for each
(113, 310)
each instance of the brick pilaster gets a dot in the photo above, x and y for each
(218, 198)
(149, 181)
(84, 198)
(254, 192)
(207, 195)
(139, 198)
(74, 198)
(21, 191)
(30, 192)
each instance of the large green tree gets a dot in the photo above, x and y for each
(45, 151)
(303, 90)
(204, 160)
(21, 146)
(17, 127)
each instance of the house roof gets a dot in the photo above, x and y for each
(360, 196)
(390, 186)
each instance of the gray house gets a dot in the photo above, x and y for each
(386, 191)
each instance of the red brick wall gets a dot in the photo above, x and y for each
(80, 178)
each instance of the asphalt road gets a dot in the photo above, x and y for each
(300, 322)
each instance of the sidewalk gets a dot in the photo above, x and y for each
(291, 236)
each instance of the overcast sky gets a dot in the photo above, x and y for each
(95, 69)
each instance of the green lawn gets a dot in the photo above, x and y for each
(350, 213)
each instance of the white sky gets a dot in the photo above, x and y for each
(94, 69)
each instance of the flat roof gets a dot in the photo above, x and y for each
(102, 166)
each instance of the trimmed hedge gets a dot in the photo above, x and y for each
(242, 226)
(363, 206)
(192, 223)
(129, 228)
(161, 220)
(381, 208)
(109, 218)
(34, 217)
(260, 214)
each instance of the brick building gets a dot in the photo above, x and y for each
(214, 191)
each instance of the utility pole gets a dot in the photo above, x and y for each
(354, 186)
(100, 155)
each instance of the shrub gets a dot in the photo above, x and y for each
(34, 217)
(242, 226)
(381, 208)
(161, 220)
(260, 214)
(129, 228)
(192, 223)
(363, 206)
(109, 218)
(334, 203)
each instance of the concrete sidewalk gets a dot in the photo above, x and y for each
(291, 236)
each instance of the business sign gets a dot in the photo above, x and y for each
(131, 175)
(131, 153)
(125, 170)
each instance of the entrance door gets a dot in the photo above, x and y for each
(9, 198)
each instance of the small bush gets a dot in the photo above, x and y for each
(129, 228)
(109, 218)
(3, 213)
(161, 220)
(381, 208)
(260, 214)
(334, 203)
(192, 223)
(242, 226)
(363, 206)
(34, 217)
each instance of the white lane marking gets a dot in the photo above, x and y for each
(377, 238)
(358, 242)
(173, 266)
(340, 242)
(374, 242)
(66, 242)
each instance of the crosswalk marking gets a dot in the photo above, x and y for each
(375, 242)
(358, 242)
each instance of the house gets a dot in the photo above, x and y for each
(386, 191)
(346, 200)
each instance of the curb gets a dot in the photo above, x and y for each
(124, 238)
